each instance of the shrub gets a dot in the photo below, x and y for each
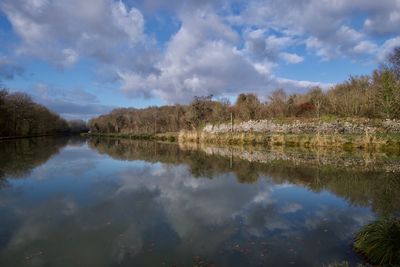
(379, 242)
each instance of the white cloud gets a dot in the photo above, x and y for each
(387, 48)
(291, 58)
(200, 59)
(326, 25)
(129, 21)
(70, 57)
(59, 31)
(261, 46)
(365, 47)
(345, 41)
(288, 83)
(203, 58)
(214, 51)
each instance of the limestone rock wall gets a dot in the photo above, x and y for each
(307, 127)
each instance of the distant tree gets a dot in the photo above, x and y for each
(318, 99)
(200, 110)
(77, 126)
(20, 116)
(120, 122)
(248, 105)
(291, 105)
(221, 111)
(19, 105)
(351, 98)
(277, 103)
(394, 61)
(387, 93)
(4, 115)
(305, 109)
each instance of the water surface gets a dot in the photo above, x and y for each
(108, 202)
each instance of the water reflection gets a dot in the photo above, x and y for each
(361, 179)
(124, 203)
(19, 157)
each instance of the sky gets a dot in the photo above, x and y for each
(85, 58)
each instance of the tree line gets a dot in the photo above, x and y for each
(21, 116)
(368, 96)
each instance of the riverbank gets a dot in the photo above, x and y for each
(164, 137)
(360, 134)
(370, 135)
(376, 142)
(3, 138)
(330, 158)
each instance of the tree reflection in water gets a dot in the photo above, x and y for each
(109, 202)
(361, 179)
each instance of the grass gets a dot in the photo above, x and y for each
(379, 242)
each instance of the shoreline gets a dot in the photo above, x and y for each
(165, 137)
(341, 134)
(346, 142)
(319, 157)
(4, 138)
(368, 142)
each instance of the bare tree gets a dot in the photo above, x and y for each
(394, 61)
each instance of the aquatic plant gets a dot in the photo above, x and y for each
(379, 242)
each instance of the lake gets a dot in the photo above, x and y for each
(110, 202)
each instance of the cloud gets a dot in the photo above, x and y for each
(206, 56)
(291, 58)
(72, 110)
(384, 18)
(387, 48)
(345, 41)
(61, 32)
(9, 70)
(298, 84)
(203, 58)
(70, 57)
(71, 103)
(262, 46)
(200, 59)
(327, 26)
(217, 47)
(130, 21)
(365, 47)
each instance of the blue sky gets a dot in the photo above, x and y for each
(84, 58)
